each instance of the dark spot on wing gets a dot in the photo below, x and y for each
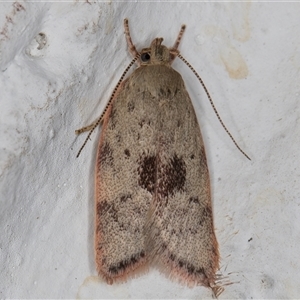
(106, 157)
(118, 138)
(147, 172)
(121, 266)
(190, 268)
(130, 106)
(106, 211)
(125, 197)
(200, 271)
(207, 212)
(163, 247)
(127, 153)
(205, 215)
(102, 207)
(194, 200)
(176, 91)
(113, 213)
(112, 119)
(193, 230)
(172, 177)
(143, 122)
(165, 92)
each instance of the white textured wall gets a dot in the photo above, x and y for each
(249, 57)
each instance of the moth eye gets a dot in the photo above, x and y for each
(145, 57)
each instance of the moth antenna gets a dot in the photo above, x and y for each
(174, 50)
(92, 127)
(212, 103)
(179, 37)
(130, 44)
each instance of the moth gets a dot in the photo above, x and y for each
(152, 188)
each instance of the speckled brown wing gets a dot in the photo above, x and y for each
(152, 184)
(122, 203)
(180, 232)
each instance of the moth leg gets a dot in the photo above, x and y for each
(86, 128)
(130, 44)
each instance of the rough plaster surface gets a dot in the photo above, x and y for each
(59, 64)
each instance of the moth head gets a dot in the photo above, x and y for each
(157, 54)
